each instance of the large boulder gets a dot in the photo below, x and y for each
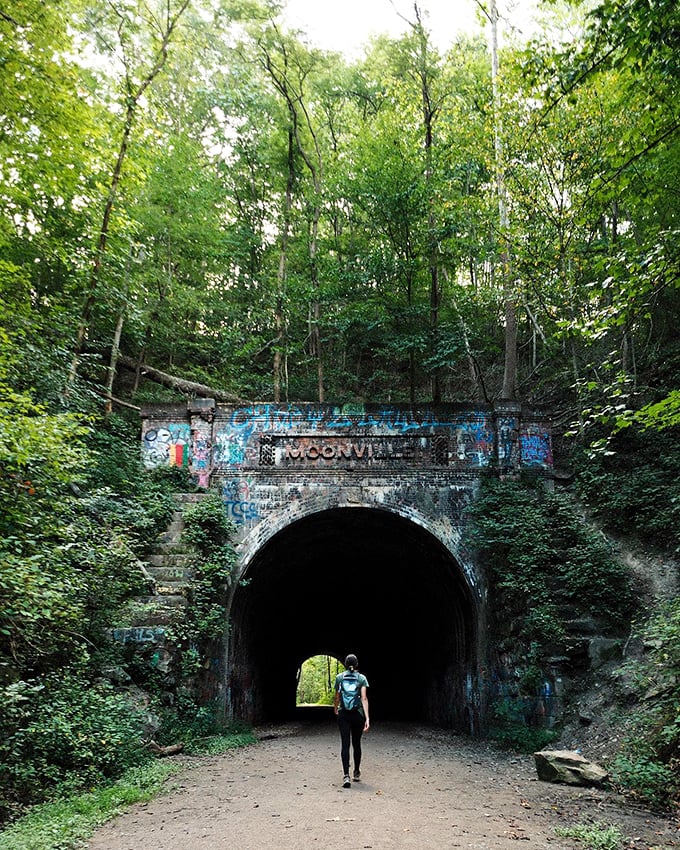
(568, 767)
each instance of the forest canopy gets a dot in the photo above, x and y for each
(190, 187)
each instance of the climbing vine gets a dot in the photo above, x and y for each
(546, 568)
(544, 563)
(209, 533)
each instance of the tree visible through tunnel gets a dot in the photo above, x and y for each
(315, 680)
(359, 580)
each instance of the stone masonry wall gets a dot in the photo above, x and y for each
(288, 459)
(276, 464)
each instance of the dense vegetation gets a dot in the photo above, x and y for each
(190, 194)
(548, 570)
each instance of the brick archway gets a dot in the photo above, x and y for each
(449, 536)
(366, 580)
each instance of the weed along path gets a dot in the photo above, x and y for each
(420, 788)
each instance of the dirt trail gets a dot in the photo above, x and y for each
(420, 789)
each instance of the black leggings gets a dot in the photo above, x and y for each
(351, 725)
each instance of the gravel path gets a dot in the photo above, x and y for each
(420, 788)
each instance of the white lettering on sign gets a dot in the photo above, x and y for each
(315, 451)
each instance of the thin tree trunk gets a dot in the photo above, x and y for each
(476, 380)
(141, 359)
(134, 94)
(297, 111)
(113, 361)
(279, 316)
(95, 273)
(429, 112)
(316, 306)
(509, 389)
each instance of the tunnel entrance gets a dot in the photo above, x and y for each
(366, 581)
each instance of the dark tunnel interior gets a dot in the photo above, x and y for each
(364, 581)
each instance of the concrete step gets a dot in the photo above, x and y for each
(168, 566)
(189, 498)
(154, 619)
(151, 611)
(169, 559)
(167, 546)
(171, 588)
(169, 573)
(170, 600)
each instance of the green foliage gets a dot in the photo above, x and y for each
(213, 745)
(64, 577)
(208, 532)
(79, 517)
(66, 823)
(653, 783)
(79, 514)
(315, 684)
(633, 488)
(63, 731)
(593, 836)
(40, 453)
(509, 726)
(648, 761)
(661, 414)
(207, 526)
(187, 721)
(542, 559)
(200, 727)
(545, 566)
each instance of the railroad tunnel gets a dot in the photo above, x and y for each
(366, 581)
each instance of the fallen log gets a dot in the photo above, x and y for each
(190, 388)
(172, 750)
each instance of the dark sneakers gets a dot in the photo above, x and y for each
(357, 776)
(345, 782)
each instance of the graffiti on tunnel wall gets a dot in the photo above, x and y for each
(239, 500)
(536, 448)
(237, 439)
(169, 445)
(385, 419)
(313, 434)
(201, 451)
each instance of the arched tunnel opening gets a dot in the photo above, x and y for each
(365, 581)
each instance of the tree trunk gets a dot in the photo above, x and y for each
(133, 97)
(297, 110)
(189, 388)
(509, 390)
(95, 273)
(316, 307)
(279, 311)
(113, 361)
(429, 112)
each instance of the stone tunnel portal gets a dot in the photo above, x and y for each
(361, 580)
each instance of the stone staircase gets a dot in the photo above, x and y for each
(146, 617)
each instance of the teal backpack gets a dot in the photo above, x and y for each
(350, 692)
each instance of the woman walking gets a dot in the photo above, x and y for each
(350, 703)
